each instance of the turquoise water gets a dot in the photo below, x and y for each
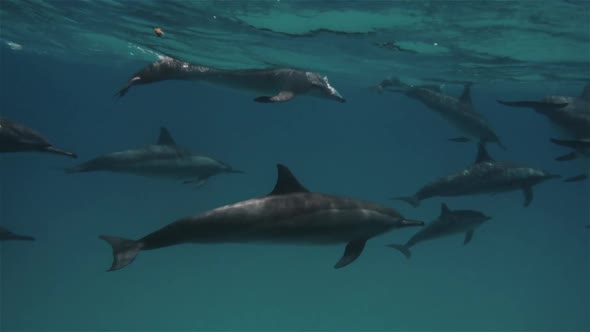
(61, 62)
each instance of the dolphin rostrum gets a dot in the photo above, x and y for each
(448, 223)
(15, 137)
(273, 85)
(570, 114)
(459, 112)
(485, 176)
(6, 235)
(290, 214)
(164, 159)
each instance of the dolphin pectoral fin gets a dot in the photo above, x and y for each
(468, 237)
(461, 139)
(528, 195)
(281, 97)
(352, 251)
(576, 178)
(401, 248)
(198, 182)
(568, 156)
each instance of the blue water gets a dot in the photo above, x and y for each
(525, 270)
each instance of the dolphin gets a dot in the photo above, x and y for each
(581, 147)
(448, 223)
(570, 114)
(485, 176)
(290, 214)
(165, 159)
(15, 137)
(272, 85)
(6, 235)
(459, 112)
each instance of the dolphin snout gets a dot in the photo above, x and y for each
(407, 222)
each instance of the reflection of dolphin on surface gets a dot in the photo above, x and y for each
(290, 214)
(581, 148)
(448, 223)
(485, 176)
(459, 112)
(6, 235)
(571, 114)
(15, 137)
(165, 159)
(273, 85)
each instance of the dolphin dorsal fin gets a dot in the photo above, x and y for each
(482, 154)
(444, 210)
(466, 95)
(286, 183)
(165, 138)
(586, 92)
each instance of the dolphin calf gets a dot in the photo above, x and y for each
(448, 223)
(570, 114)
(459, 112)
(165, 159)
(15, 137)
(6, 235)
(272, 85)
(290, 214)
(581, 148)
(485, 176)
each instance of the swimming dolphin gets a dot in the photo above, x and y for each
(459, 112)
(290, 214)
(15, 137)
(570, 114)
(273, 85)
(165, 159)
(6, 235)
(448, 223)
(581, 148)
(485, 176)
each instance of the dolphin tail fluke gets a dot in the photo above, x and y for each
(124, 90)
(124, 251)
(576, 178)
(401, 248)
(539, 105)
(567, 156)
(412, 200)
(52, 149)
